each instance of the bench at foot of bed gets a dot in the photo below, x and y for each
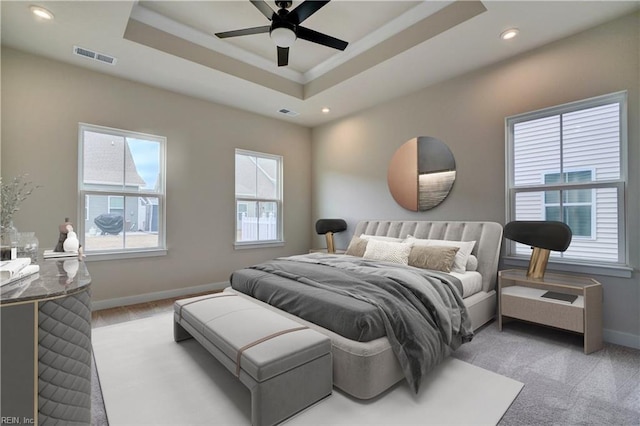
(286, 366)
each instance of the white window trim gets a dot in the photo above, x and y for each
(161, 248)
(279, 241)
(619, 269)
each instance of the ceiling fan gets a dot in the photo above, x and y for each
(285, 27)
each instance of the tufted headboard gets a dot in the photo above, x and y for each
(487, 235)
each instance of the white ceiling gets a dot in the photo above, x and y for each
(395, 47)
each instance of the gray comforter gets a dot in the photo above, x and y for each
(421, 311)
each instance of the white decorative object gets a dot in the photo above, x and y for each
(71, 243)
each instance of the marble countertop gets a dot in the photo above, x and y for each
(57, 277)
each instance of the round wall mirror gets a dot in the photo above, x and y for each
(421, 173)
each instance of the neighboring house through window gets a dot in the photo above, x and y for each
(567, 163)
(258, 191)
(122, 191)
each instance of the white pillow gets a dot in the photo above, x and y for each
(381, 238)
(388, 251)
(460, 262)
(472, 263)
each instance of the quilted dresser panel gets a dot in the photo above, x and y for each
(64, 360)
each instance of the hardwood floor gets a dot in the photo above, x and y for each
(121, 314)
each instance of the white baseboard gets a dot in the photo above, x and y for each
(622, 339)
(151, 297)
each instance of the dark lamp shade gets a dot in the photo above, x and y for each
(330, 225)
(548, 235)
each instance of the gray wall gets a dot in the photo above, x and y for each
(350, 156)
(42, 103)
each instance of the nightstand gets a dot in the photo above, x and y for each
(520, 297)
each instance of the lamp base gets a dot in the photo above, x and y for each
(538, 263)
(330, 247)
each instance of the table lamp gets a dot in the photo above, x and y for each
(542, 236)
(328, 227)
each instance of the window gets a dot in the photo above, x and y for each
(258, 198)
(566, 163)
(121, 192)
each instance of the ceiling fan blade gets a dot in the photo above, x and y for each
(263, 7)
(283, 56)
(245, 31)
(304, 10)
(316, 37)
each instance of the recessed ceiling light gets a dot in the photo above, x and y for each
(326, 110)
(41, 12)
(509, 34)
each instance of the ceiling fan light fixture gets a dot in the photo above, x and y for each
(283, 37)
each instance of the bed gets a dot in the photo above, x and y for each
(367, 363)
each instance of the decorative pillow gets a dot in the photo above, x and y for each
(460, 263)
(357, 246)
(381, 238)
(388, 251)
(437, 258)
(472, 263)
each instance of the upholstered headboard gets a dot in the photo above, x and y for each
(487, 235)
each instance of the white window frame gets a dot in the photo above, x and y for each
(160, 194)
(619, 268)
(279, 200)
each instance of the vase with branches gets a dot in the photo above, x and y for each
(13, 194)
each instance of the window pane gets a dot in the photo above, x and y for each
(268, 221)
(591, 139)
(267, 178)
(580, 176)
(594, 225)
(246, 185)
(103, 161)
(577, 196)
(531, 205)
(552, 197)
(134, 225)
(247, 226)
(536, 148)
(142, 165)
(552, 213)
(552, 178)
(579, 220)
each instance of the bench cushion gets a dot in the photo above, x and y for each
(231, 322)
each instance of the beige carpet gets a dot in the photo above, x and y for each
(147, 378)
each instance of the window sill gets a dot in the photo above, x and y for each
(94, 257)
(255, 244)
(620, 271)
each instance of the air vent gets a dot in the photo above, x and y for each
(81, 51)
(288, 112)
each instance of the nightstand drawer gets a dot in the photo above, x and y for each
(567, 317)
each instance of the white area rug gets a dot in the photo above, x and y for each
(147, 378)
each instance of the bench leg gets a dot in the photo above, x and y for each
(281, 397)
(179, 333)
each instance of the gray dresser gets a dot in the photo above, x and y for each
(46, 346)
